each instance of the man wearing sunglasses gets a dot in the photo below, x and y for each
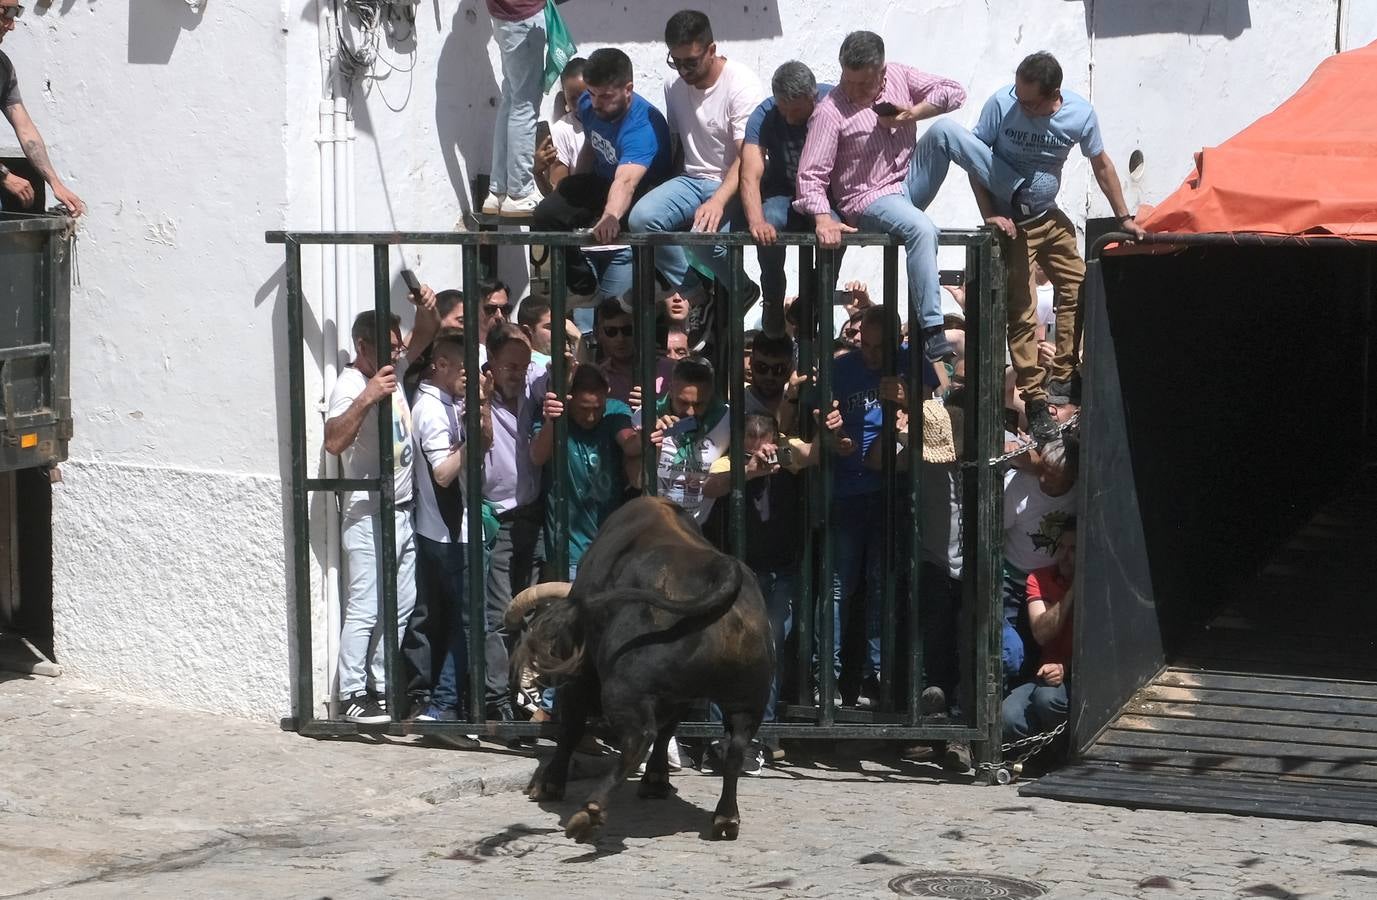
(617, 344)
(707, 107)
(15, 189)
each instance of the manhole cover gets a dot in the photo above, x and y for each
(964, 886)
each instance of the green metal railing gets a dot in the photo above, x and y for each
(897, 717)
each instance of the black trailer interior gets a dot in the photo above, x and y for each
(1225, 622)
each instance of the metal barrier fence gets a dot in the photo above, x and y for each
(981, 486)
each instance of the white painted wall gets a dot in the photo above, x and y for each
(190, 134)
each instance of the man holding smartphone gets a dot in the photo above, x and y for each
(691, 433)
(858, 153)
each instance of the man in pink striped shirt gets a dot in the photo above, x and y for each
(856, 160)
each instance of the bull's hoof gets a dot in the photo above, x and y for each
(654, 787)
(585, 823)
(725, 828)
(544, 792)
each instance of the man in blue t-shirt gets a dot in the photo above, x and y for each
(769, 169)
(601, 438)
(859, 386)
(1015, 158)
(626, 152)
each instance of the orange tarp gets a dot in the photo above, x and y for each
(1310, 166)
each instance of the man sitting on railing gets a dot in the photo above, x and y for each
(774, 142)
(625, 152)
(1041, 705)
(707, 107)
(858, 153)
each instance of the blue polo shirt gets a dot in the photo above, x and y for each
(782, 143)
(639, 137)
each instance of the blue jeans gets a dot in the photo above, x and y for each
(1020, 650)
(445, 565)
(857, 531)
(522, 46)
(902, 214)
(1033, 708)
(778, 586)
(670, 207)
(615, 275)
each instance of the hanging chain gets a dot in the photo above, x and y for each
(1030, 747)
(1023, 447)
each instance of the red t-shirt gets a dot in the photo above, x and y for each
(1046, 584)
(514, 10)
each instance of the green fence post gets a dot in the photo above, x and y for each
(387, 485)
(736, 383)
(887, 467)
(643, 301)
(559, 384)
(803, 421)
(917, 363)
(473, 496)
(827, 638)
(303, 689)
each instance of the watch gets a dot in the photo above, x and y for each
(4, 171)
(1127, 216)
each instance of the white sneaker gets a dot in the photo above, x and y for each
(675, 765)
(518, 207)
(493, 205)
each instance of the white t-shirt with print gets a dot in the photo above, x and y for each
(1033, 521)
(711, 122)
(437, 427)
(681, 480)
(360, 459)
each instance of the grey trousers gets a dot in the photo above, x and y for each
(511, 563)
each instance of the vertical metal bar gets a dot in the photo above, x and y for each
(736, 381)
(806, 334)
(917, 363)
(888, 557)
(473, 494)
(983, 526)
(827, 638)
(387, 484)
(644, 304)
(559, 384)
(303, 689)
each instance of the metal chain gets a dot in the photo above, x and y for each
(1034, 743)
(1023, 446)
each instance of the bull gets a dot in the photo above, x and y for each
(656, 619)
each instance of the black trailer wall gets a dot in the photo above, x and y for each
(1243, 399)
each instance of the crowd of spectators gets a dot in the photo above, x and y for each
(723, 155)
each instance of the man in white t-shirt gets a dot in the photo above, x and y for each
(707, 107)
(351, 432)
(435, 644)
(692, 432)
(1039, 499)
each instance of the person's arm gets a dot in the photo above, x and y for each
(1108, 178)
(709, 214)
(342, 429)
(815, 177)
(629, 439)
(543, 444)
(1048, 621)
(427, 322)
(37, 152)
(752, 202)
(985, 200)
(619, 197)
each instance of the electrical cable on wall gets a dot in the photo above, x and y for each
(361, 30)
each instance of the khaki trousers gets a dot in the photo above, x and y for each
(1050, 242)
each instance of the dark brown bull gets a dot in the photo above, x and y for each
(656, 619)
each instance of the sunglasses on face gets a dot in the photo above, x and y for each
(11, 12)
(493, 309)
(686, 65)
(764, 368)
(614, 330)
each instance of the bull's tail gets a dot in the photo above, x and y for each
(553, 643)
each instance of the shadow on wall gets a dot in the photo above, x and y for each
(1123, 18)
(466, 96)
(154, 29)
(602, 23)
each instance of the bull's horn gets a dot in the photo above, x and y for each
(527, 600)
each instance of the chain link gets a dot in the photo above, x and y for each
(1034, 743)
(1023, 446)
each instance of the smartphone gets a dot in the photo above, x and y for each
(885, 108)
(841, 298)
(542, 132)
(412, 282)
(784, 456)
(683, 426)
(953, 277)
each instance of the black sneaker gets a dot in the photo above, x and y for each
(1060, 393)
(1041, 425)
(363, 709)
(935, 344)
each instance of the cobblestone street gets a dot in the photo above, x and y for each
(103, 797)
